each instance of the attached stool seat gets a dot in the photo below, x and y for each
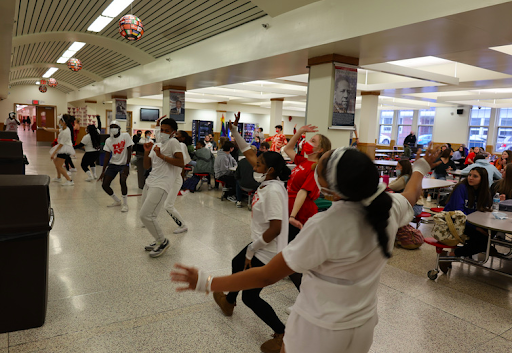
(224, 189)
(200, 176)
(249, 197)
(417, 219)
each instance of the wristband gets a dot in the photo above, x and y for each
(249, 253)
(421, 166)
(254, 246)
(202, 282)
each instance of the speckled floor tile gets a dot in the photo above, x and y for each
(4, 340)
(496, 345)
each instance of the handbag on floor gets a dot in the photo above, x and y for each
(449, 227)
(191, 183)
(409, 237)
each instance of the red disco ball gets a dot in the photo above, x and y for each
(52, 82)
(131, 27)
(74, 64)
(43, 89)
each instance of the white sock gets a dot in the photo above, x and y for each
(116, 199)
(94, 172)
(125, 200)
(89, 174)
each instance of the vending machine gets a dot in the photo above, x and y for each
(200, 129)
(247, 131)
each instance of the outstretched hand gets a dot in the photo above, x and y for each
(184, 274)
(235, 123)
(308, 128)
(432, 155)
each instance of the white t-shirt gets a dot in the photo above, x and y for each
(267, 205)
(86, 140)
(184, 150)
(11, 124)
(118, 148)
(340, 257)
(64, 137)
(162, 173)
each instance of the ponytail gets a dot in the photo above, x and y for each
(377, 215)
(276, 161)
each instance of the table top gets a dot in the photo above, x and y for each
(291, 165)
(428, 183)
(455, 172)
(385, 163)
(487, 220)
(389, 151)
(381, 155)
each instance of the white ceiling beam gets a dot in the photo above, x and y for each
(63, 67)
(412, 73)
(472, 97)
(268, 89)
(59, 82)
(121, 47)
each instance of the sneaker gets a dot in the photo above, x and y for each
(72, 170)
(56, 180)
(210, 187)
(226, 307)
(150, 247)
(115, 204)
(239, 204)
(68, 183)
(124, 208)
(288, 310)
(231, 198)
(273, 345)
(158, 251)
(180, 230)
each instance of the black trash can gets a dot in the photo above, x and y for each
(8, 135)
(11, 157)
(24, 251)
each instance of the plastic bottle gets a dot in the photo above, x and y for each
(496, 202)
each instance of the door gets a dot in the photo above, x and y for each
(45, 118)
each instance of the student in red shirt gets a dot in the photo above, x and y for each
(278, 140)
(470, 159)
(302, 188)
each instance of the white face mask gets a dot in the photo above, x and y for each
(322, 189)
(114, 131)
(164, 137)
(259, 177)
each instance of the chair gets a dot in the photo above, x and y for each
(249, 197)
(224, 189)
(432, 274)
(201, 176)
(417, 219)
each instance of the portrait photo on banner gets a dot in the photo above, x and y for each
(177, 105)
(345, 90)
(120, 109)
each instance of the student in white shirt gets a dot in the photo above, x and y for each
(165, 159)
(91, 144)
(118, 152)
(341, 253)
(60, 152)
(11, 123)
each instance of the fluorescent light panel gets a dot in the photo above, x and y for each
(422, 61)
(50, 72)
(76, 46)
(116, 7)
(38, 83)
(62, 60)
(100, 23)
(73, 48)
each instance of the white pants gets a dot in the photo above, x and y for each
(303, 336)
(171, 199)
(152, 201)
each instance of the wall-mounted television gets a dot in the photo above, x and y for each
(147, 114)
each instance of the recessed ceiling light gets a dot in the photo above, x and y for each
(62, 60)
(116, 7)
(100, 23)
(50, 72)
(76, 46)
(68, 54)
(38, 83)
(422, 61)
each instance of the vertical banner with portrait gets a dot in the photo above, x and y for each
(177, 106)
(120, 109)
(344, 102)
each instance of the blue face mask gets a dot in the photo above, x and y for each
(398, 172)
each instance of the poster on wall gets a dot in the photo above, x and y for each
(344, 102)
(109, 117)
(177, 105)
(120, 109)
(80, 114)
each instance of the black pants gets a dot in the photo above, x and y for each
(476, 243)
(252, 298)
(89, 160)
(68, 162)
(230, 183)
(295, 277)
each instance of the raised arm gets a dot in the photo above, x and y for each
(244, 146)
(289, 148)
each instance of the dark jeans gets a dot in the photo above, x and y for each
(230, 183)
(89, 160)
(295, 277)
(476, 243)
(252, 298)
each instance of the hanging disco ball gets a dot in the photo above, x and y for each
(74, 64)
(52, 82)
(43, 82)
(43, 89)
(131, 27)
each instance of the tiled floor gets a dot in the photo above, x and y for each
(107, 295)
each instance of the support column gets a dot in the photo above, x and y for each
(166, 106)
(492, 131)
(276, 114)
(321, 95)
(368, 122)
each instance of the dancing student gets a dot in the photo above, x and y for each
(91, 144)
(268, 227)
(70, 122)
(302, 188)
(60, 152)
(165, 158)
(118, 152)
(341, 252)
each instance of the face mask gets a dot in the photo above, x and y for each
(322, 189)
(308, 148)
(259, 177)
(114, 131)
(398, 172)
(164, 137)
(277, 131)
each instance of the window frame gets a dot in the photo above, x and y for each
(420, 125)
(481, 126)
(398, 125)
(383, 124)
(499, 126)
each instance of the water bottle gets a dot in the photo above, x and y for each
(496, 202)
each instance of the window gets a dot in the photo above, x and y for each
(404, 125)
(425, 126)
(479, 126)
(504, 135)
(385, 126)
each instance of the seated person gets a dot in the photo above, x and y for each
(264, 147)
(470, 158)
(470, 195)
(504, 185)
(403, 174)
(204, 161)
(443, 165)
(407, 151)
(256, 143)
(223, 163)
(482, 160)
(244, 178)
(460, 155)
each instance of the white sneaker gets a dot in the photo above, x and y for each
(89, 179)
(210, 187)
(68, 183)
(288, 310)
(56, 180)
(115, 204)
(124, 208)
(180, 230)
(239, 204)
(72, 170)
(231, 198)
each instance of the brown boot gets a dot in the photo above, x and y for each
(222, 302)
(273, 345)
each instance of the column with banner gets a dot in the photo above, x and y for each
(177, 105)
(344, 101)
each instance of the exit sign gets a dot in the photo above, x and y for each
(35, 102)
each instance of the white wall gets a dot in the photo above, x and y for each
(450, 127)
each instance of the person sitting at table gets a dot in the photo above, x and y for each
(223, 163)
(470, 159)
(443, 165)
(470, 195)
(256, 142)
(504, 185)
(204, 161)
(264, 147)
(482, 160)
(403, 172)
(505, 158)
(407, 152)
(244, 176)
(460, 155)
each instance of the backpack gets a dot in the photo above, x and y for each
(191, 183)
(409, 237)
(449, 227)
